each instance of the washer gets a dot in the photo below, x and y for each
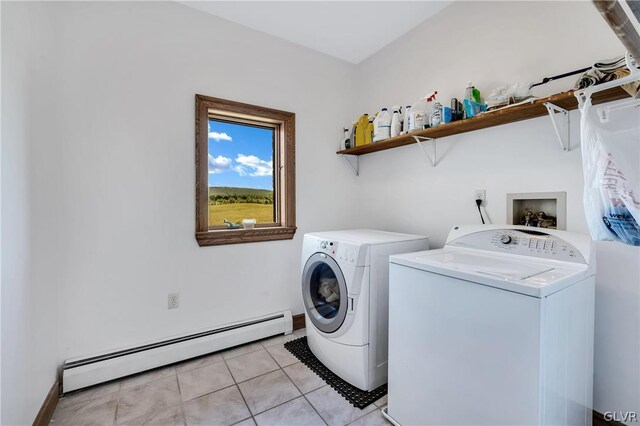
(345, 291)
(496, 328)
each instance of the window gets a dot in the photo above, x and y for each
(245, 169)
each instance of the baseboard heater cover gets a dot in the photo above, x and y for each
(82, 372)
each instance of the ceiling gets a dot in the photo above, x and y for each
(348, 30)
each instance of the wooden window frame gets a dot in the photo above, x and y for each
(284, 171)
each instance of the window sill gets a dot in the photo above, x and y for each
(241, 236)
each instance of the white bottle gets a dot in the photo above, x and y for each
(421, 112)
(416, 117)
(407, 117)
(382, 126)
(396, 122)
(345, 139)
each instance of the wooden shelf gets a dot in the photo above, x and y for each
(499, 117)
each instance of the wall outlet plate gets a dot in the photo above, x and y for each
(173, 300)
(481, 194)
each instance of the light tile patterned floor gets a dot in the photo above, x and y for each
(257, 383)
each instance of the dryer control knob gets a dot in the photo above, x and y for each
(505, 239)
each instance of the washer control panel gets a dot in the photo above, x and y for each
(523, 242)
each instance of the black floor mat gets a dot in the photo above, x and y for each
(358, 398)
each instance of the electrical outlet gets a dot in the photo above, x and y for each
(481, 194)
(174, 300)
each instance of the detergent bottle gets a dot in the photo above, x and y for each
(368, 135)
(382, 126)
(361, 128)
(396, 121)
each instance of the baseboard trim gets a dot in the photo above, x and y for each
(48, 406)
(298, 321)
(599, 420)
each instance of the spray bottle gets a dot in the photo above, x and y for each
(420, 113)
(429, 110)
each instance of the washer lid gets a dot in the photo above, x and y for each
(504, 271)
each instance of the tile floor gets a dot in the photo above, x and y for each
(257, 383)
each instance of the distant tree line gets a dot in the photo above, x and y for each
(240, 198)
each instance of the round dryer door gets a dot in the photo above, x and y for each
(324, 292)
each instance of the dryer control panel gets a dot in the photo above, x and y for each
(524, 242)
(342, 252)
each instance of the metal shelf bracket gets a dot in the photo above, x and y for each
(419, 140)
(356, 168)
(560, 120)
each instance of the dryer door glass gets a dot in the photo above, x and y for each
(325, 293)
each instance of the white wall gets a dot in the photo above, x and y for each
(492, 44)
(101, 216)
(29, 306)
(107, 159)
(124, 89)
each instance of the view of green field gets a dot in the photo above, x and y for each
(235, 204)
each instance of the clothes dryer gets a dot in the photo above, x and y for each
(345, 291)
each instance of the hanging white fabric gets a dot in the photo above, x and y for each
(611, 165)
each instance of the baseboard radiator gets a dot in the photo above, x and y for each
(79, 373)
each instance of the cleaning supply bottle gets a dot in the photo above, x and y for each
(418, 117)
(353, 134)
(396, 121)
(368, 134)
(407, 114)
(382, 126)
(429, 109)
(346, 142)
(436, 113)
(468, 92)
(361, 127)
(472, 93)
(476, 95)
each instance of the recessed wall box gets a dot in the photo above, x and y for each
(538, 209)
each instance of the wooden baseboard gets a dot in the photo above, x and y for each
(48, 406)
(298, 321)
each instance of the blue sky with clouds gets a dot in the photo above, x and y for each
(240, 156)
